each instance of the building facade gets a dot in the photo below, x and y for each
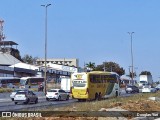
(67, 62)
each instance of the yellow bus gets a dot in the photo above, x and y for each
(94, 85)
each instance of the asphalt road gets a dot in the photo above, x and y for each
(6, 104)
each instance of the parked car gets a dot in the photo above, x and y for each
(57, 94)
(148, 89)
(14, 93)
(132, 89)
(158, 87)
(25, 97)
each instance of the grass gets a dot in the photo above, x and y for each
(136, 99)
(2, 90)
(49, 86)
(137, 102)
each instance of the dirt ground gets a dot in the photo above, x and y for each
(131, 105)
(139, 105)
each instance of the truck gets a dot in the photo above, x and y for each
(66, 84)
(145, 80)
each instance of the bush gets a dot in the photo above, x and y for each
(2, 90)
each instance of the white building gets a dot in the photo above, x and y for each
(64, 61)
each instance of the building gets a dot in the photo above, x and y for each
(68, 62)
(5, 61)
(11, 63)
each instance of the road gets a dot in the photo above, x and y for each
(7, 105)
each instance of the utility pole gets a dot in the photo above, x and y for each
(45, 75)
(130, 33)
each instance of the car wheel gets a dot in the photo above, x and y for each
(27, 101)
(12, 99)
(47, 99)
(59, 98)
(15, 103)
(116, 93)
(36, 101)
(67, 97)
(126, 91)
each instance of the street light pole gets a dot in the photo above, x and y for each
(130, 33)
(45, 75)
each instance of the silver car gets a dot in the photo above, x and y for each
(14, 93)
(57, 94)
(25, 97)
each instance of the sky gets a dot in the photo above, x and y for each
(89, 30)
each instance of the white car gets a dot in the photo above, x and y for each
(57, 94)
(158, 87)
(25, 97)
(14, 93)
(148, 89)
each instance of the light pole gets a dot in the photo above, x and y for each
(130, 33)
(45, 75)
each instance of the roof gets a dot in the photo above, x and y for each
(25, 66)
(7, 43)
(7, 59)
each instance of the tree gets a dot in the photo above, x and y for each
(29, 59)
(90, 66)
(111, 67)
(145, 73)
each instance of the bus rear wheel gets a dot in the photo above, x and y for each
(81, 100)
(96, 96)
(99, 96)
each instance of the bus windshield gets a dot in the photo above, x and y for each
(27, 82)
(22, 82)
(79, 83)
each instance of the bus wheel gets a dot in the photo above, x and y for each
(99, 96)
(96, 96)
(79, 100)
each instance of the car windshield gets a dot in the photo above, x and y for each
(16, 90)
(146, 86)
(21, 92)
(52, 91)
(158, 86)
(129, 85)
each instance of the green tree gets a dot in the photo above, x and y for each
(111, 67)
(29, 59)
(90, 66)
(145, 73)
